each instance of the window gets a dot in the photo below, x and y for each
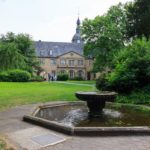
(71, 74)
(80, 62)
(71, 62)
(53, 61)
(78, 41)
(80, 73)
(62, 61)
(50, 52)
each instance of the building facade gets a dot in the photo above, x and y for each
(61, 57)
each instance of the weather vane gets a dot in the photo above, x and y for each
(78, 12)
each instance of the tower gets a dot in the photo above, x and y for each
(77, 36)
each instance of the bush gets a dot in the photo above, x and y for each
(102, 83)
(78, 78)
(19, 76)
(62, 77)
(132, 69)
(4, 77)
(37, 78)
(137, 96)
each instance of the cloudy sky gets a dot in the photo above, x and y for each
(49, 20)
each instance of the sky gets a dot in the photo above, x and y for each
(49, 20)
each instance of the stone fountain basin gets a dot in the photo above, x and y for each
(94, 96)
(82, 131)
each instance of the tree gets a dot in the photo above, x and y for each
(138, 16)
(132, 68)
(10, 58)
(104, 35)
(17, 51)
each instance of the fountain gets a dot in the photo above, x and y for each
(90, 116)
(96, 101)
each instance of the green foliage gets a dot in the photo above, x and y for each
(19, 76)
(104, 35)
(132, 68)
(2, 145)
(15, 76)
(77, 78)
(62, 77)
(138, 96)
(37, 78)
(138, 18)
(4, 77)
(107, 34)
(101, 82)
(10, 57)
(17, 52)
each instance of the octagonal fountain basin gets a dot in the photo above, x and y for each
(73, 118)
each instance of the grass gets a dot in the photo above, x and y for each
(14, 94)
(2, 145)
(5, 146)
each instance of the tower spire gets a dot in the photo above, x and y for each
(77, 37)
(78, 21)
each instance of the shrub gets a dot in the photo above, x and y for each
(137, 96)
(4, 77)
(37, 78)
(19, 76)
(62, 77)
(132, 69)
(102, 83)
(78, 78)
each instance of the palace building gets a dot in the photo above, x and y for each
(61, 57)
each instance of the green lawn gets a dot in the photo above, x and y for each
(13, 94)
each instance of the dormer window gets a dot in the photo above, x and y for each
(78, 41)
(50, 52)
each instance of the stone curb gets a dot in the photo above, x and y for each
(85, 131)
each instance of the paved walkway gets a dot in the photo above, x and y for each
(73, 83)
(21, 134)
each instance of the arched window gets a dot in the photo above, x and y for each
(71, 74)
(80, 73)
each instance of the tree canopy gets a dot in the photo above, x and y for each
(104, 35)
(17, 51)
(138, 15)
(107, 34)
(132, 68)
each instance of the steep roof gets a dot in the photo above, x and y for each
(55, 49)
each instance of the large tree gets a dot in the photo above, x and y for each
(10, 57)
(104, 35)
(138, 14)
(17, 51)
